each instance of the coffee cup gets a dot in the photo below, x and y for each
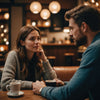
(50, 82)
(14, 87)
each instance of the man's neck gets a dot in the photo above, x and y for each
(90, 37)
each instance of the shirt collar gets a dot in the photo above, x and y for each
(96, 37)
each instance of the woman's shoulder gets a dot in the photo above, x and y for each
(12, 52)
(11, 56)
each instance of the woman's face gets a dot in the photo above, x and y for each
(32, 42)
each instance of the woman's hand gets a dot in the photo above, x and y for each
(41, 54)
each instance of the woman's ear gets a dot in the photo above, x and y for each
(22, 42)
(84, 27)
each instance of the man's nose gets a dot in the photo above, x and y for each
(70, 33)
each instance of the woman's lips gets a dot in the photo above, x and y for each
(36, 47)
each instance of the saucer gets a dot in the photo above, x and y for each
(12, 95)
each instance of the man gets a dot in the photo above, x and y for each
(84, 24)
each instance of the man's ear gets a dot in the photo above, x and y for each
(22, 42)
(84, 27)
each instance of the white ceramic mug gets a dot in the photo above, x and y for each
(14, 88)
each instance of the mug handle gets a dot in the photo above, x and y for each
(8, 87)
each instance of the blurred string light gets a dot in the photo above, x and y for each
(6, 16)
(7, 43)
(97, 4)
(33, 23)
(2, 34)
(47, 23)
(92, 2)
(5, 30)
(5, 39)
(2, 26)
(1, 48)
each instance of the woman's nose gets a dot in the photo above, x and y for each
(36, 41)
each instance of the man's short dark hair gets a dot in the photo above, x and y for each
(83, 13)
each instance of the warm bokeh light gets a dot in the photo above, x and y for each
(86, 3)
(45, 14)
(5, 39)
(1, 48)
(5, 30)
(54, 7)
(97, 4)
(33, 23)
(66, 30)
(7, 43)
(2, 26)
(6, 15)
(0, 9)
(93, 1)
(46, 23)
(35, 7)
(2, 34)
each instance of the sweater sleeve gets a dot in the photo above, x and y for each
(48, 71)
(10, 72)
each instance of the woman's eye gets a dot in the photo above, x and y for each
(32, 39)
(35, 38)
(39, 38)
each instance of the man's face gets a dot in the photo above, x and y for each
(77, 33)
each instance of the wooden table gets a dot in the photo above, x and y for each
(28, 95)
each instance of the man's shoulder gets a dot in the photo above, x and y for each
(95, 45)
(92, 51)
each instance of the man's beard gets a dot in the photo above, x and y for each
(81, 41)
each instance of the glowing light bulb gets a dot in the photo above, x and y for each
(6, 15)
(1, 48)
(54, 7)
(35, 7)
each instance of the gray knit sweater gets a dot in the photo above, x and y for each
(12, 71)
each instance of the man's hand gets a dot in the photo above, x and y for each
(37, 86)
(59, 82)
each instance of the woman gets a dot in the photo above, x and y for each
(27, 62)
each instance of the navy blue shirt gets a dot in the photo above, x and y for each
(85, 81)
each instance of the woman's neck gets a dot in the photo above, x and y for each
(30, 55)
